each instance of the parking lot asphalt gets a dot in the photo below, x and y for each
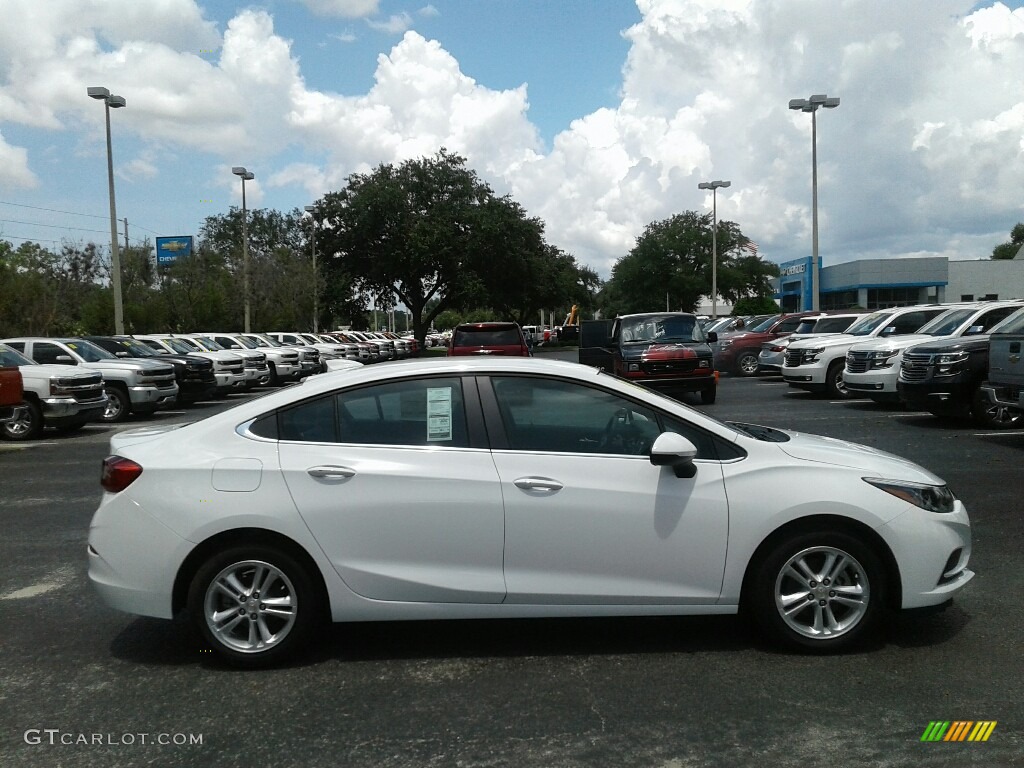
(83, 685)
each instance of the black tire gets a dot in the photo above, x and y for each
(988, 415)
(708, 396)
(289, 630)
(834, 381)
(275, 380)
(855, 614)
(118, 404)
(747, 364)
(28, 427)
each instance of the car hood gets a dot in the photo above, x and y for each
(826, 341)
(895, 342)
(953, 344)
(871, 461)
(55, 369)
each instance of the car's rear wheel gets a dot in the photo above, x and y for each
(820, 591)
(28, 426)
(990, 415)
(747, 364)
(834, 383)
(256, 605)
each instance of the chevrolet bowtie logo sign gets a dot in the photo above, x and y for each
(958, 730)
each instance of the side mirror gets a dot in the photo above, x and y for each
(712, 337)
(674, 450)
(120, 353)
(66, 360)
(888, 331)
(974, 330)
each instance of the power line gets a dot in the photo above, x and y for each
(52, 226)
(52, 210)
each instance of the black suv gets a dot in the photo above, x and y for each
(194, 374)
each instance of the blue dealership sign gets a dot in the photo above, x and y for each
(170, 249)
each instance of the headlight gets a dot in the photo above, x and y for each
(883, 358)
(633, 367)
(949, 364)
(724, 343)
(934, 498)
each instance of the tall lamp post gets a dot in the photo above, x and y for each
(245, 176)
(714, 186)
(311, 209)
(115, 256)
(811, 105)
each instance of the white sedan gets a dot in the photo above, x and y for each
(490, 488)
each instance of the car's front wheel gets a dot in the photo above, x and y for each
(118, 404)
(747, 364)
(989, 415)
(820, 591)
(256, 605)
(27, 426)
(709, 395)
(834, 384)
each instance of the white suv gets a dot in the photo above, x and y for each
(817, 364)
(873, 367)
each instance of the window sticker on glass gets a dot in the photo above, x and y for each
(439, 413)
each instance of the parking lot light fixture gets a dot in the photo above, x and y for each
(245, 175)
(111, 101)
(311, 209)
(714, 186)
(811, 105)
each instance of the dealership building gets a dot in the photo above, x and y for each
(878, 283)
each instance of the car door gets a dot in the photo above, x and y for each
(588, 518)
(399, 489)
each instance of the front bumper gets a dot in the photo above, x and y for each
(155, 396)
(879, 381)
(1000, 395)
(811, 375)
(63, 407)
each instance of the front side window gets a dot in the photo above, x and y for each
(550, 415)
(46, 353)
(419, 412)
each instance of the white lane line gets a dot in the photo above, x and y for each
(1003, 433)
(54, 581)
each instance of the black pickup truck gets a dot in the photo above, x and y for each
(664, 351)
(1004, 389)
(945, 377)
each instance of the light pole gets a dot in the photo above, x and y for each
(311, 209)
(245, 176)
(811, 105)
(714, 187)
(115, 257)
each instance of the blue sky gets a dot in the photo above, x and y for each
(599, 116)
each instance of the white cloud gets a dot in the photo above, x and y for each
(14, 170)
(394, 25)
(348, 9)
(924, 155)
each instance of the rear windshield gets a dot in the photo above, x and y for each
(486, 337)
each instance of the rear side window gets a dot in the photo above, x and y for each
(420, 412)
(487, 337)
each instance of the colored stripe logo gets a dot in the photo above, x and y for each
(958, 730)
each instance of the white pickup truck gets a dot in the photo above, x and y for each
(132, 386)
(60, 396)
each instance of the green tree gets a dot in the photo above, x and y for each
(1009, 250)
(673, 258)
(430, 235)
(755, 305)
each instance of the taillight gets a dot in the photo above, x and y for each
(118, 473)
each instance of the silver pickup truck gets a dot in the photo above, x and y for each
(1004, 387)
(132, 386)
(60, 396)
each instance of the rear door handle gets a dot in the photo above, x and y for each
(538, 484)
(331, 473)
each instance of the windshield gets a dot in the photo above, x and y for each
(869, 323)
(833, 324)
(137, 348)
(89, 352)
(209, 343)
(185, 346)
(10, 357)
(1013, 324)
(663, 328)
(947, 323)
(765, 324)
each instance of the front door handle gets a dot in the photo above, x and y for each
(538, 484)
(331, 473)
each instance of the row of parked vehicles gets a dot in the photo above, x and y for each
(934, 357)
(66, 383)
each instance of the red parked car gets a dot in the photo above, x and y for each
(488, 339)
(737, 352)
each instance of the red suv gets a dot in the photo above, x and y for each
(488, 339)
